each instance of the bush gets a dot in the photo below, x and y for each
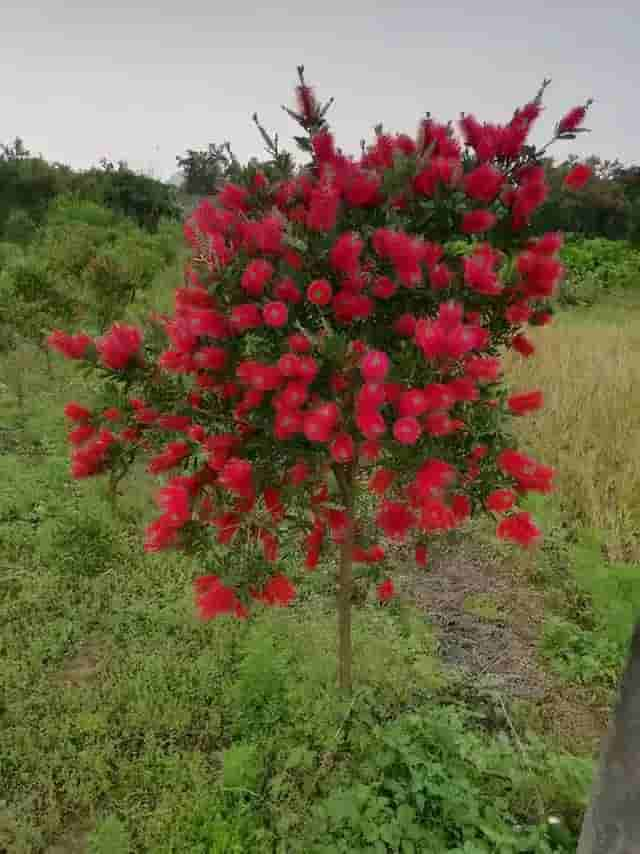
(596, 267)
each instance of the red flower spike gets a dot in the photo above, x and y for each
(519, 528)
(71, 346)
(76, 412)
(422, 555)
(119, 346)
(319, 292)
(385, 591)
(522, 404)
(578, 176)
(501, 500)
(342, 448)
(478, 221)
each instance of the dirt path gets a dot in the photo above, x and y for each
(489, 618)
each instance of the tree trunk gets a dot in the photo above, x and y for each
(345, 478)
(612, 822)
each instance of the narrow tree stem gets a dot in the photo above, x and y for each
(345, 478)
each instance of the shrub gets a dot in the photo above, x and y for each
(322, 328)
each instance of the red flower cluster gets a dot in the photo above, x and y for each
(309, 340)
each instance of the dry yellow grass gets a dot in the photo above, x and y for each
(589, 370)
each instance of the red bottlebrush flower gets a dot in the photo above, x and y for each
(119, 346)
(319, 292)
(413, 402)
(323, 208)
(269, 545)
(386, 590)
(212, 358)
(395, 519)
(477, 221)
(289, 365)
(278, 591)
(405, 325)
(480, 275)
(112, 414)
(323, 147)
(438, 396)
(381, 480)
(178, 423)
(439, 424)
(214, 599)
(255, 277)
(500, 500)
(338, 525)
(287, 424)
(172, 455)
(273, 503)
(294, 395)
(384, 288)
(479, 452)
(246, 316)
(464, 389)
(146, 415)
(173, 499)
(371, 424)
(275, 314)
(483, 368)
(81, 434)
(342, 448)
(76, 412)
(237, 476)
(299, 343)
(316, 428)
(361, 189)
(407, 430)
(549, 243)
(578, 176)
(307, 369)
(520, 528)
(371, 396)
(196, 433)
(572, 120)
(521, 404)
(440, 276)
(431, 338)
(531, 475)
(370, 450)
(286, 290)
(345, 254)
(374, 366)
(90, 458)
(307, 105)
(71, 346)
(523, 345)
(461, 507)
(298, 473)
(422, 555)
(436, 516)
(233, 197)
(433, 477)
(517, 313)
(483, 183)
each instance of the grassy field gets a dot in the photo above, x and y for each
(127, 726)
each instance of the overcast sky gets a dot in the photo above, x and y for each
(145, 81)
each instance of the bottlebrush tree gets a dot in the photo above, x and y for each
(324, 343)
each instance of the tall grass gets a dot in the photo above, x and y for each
(588, 366)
